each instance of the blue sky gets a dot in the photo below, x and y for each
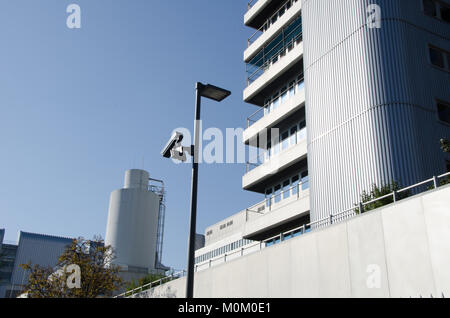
(79, 107)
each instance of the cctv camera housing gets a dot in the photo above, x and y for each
(174, 142)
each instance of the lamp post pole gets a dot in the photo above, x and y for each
(193, 218)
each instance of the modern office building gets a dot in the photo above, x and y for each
(38, 249)
(349, 93)
(279, 170)
(377, 95)
(135, 225)
(276, 86)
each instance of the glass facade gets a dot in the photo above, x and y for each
(284, 94)
(288, 138)
(291, 186)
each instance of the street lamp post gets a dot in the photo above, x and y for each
(217, 94)
(175, 150)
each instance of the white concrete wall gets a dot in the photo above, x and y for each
(219, 234)
(408, 242)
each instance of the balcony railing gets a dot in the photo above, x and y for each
(150, 286)
(280, 99)
(270, 21)
(257, 68)
(251, 4)
(307, 228)
(278, 149)
(277, 200)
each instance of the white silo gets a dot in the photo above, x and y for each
(132, 228)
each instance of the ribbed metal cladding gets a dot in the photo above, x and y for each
(42, 250)
(371, 98)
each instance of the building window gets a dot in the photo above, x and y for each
(275, 49)
(429, 6)
(285, 140)
(437, 9)
(294, 135)
(291, 187)
(277, 193)
(295, 183)
(443, 112)
(282, 95)
(445, 12)
(286, 189)
(305, 180)
(269, 197)
(301, 134)
(439, 58)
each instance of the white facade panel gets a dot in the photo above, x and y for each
(370, 98)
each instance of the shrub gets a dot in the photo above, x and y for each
(378, 192)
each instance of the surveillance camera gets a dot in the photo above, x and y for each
(174, 142)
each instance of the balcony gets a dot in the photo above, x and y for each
(284, 103)
(284, 208)
(256, 8)
(275, 160)
(271, 66)
(271, 27)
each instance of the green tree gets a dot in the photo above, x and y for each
(150, 278)
(98, 276)
(378, 192)
(445, 145)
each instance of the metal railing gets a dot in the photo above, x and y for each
(327, 221)
(253, 118)
(304, 229)
(265, 157)
(271, 20)
(275, 200)
(361, 207)
(273, 56)
(147, 287)
(263, 111)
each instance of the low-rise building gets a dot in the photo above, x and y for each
(38, 249)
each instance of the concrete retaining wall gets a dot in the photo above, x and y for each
(402, 250)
